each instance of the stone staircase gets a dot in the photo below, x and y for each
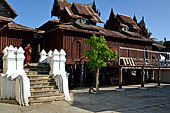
(42, 85)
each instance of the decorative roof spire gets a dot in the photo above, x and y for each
(93, 6)
(142, 23)
(112, 22)
(143, 18)
(112, 15)
(134, 18)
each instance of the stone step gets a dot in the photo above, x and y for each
(37, 72)
(39, 76)
(40, 69)
(46, 100)
(42, 83)
(43, 72)
(36, 68)
(33, 88)
(31, 72)
(45, 95)
(43, 92)
(33, 64)
(41, 79)
(43, 65)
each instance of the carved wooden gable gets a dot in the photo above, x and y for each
(6, 10)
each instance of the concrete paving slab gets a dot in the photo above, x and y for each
(132, 100)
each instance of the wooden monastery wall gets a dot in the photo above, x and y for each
(114, 43)
(15, 38)
(75, 46)
(9, 38)
(52, 40)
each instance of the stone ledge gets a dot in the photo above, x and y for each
(120, 90)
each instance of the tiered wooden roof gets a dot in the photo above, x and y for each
(134, 29)
(74, 10)
(126, 19)
(90, 29)
(13, 13)
(4, 19)
(13, 26)
(7, 23)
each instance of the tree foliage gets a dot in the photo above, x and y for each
(99, 53)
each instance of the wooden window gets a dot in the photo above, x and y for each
(76, 47)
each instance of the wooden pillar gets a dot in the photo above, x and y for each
(159, 76)
(119, 55)
(120, 78)
(81, 74)
(142, 77)
(165, 59)
(85, 73)
(144, 57)
(158, 60)
(39, 48)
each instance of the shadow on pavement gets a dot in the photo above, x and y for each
(122, 102)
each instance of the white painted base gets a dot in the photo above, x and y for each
(120, 90)
(159, 86)
(143, 88)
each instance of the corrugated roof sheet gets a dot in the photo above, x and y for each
(133, 34)
(88, 11)
(91, 29)
(70, 13)
(135, 26)
(4, 19)
(126, 19)
(158, 45)
(14, 26)
(63, 4)
(82, 10)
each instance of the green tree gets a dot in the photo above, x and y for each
(98, 55)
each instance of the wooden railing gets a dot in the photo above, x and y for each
(147, 58)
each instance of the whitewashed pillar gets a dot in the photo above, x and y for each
(11, 61)
(50, 61)
(64, 75)
(11, 70)
(3, 85)
(50, 54)
(20, 61)
(55, 65)
(62, 61)
(3, 79)
(5, 59)
(43, 56)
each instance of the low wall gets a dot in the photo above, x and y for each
(164, 76)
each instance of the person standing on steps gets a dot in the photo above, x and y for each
(28, 51)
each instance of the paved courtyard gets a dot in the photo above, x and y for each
(132, 100)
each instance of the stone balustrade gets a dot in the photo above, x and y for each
(43, 57)
(13, 70)
(57, 60)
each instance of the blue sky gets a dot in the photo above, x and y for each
(33, 13)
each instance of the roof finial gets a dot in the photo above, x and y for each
(143, 18)
(134, 18)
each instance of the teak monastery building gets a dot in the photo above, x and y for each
(75, 23)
